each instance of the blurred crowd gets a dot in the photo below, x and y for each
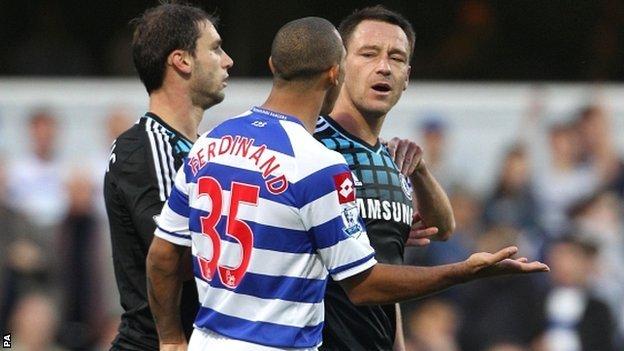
(56, 282)
(558, 195)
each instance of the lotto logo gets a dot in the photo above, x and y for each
(6, 341)
(344, 186)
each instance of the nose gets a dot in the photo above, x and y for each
(227, 61)
(383, 66)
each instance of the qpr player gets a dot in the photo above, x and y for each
(270, 213)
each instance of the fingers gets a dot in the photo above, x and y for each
(420, 237)
(407, 155)
(411, 160)
(518, 266)
(399, 157)
(414, 164)
(392, 147)
(423, 233)
(534, 267)
(504, 254)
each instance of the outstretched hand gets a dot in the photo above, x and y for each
(420, 235)
(485, 264)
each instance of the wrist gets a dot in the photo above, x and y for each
(463, 272)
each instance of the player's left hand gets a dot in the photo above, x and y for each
(406, 154)
(420, 235)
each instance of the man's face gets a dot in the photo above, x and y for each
(43, 131)
(377, 67)
(209, 75)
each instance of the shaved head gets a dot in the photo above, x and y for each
(304, 48)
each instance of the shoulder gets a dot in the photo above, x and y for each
(129, 147)
(136, 149)
(310, 154)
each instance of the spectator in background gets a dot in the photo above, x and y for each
(35, 181)
(78, 243)
(432, 326)
(600, 219)
(512, 203)
(562, 180)
(34, 324)
(467, 211)
(434, 145)
(22, 264)
(502, 312)
(559, 179)
(573, 319)
(598, 149)
(119, 119)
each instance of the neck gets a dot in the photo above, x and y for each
(177, 110)
(296, 100)
(366, 126)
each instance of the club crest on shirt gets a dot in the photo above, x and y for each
(350, 218)
(406, 185)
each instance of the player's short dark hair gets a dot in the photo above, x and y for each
(305, 47)
(376, 13)
(161, 30)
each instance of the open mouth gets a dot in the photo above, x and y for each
(382, 87)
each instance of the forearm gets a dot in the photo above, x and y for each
(386, 284)
(164, 286)
(433, 204)
(399, 339)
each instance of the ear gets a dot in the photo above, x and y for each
(271, 66)
(334, 75)
(409, 70)
(181, 61)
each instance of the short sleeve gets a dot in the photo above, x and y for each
(173, 223)
(331, 215)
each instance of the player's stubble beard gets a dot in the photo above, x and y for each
(206, 88)
(368, 108)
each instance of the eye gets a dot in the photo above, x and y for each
(398, 58)
(368, 54)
